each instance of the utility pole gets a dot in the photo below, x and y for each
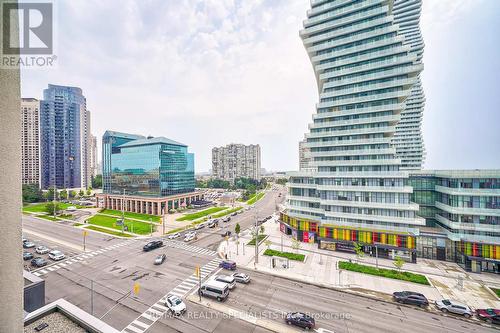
(376, 256)
(84, 239)
(163, 219)
(198, 273)
(54, 200)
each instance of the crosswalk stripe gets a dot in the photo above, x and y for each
(134, 329)
(159, 307)
(37, 274)
(141, 324)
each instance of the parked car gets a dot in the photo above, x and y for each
(212, 224)
(199, 226)
(38, 262)
(226, 219)
(410, 297)
(28, 244)
(300, 319)
(226, 279)
(241, 277)
(489, 315)
(42, 249)
(175, 304)
(27, 255)
(160, 259)
(226, 233)
(447, 305)
(174, 235)
(215, 289)
(228, 264)
(152, 245)
(56, 255)
(234, 213)
(24, 239)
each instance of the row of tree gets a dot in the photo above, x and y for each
(248, 184)
(31, 193)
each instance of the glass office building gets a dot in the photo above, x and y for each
(146, 167)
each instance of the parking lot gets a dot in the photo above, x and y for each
(51, 245)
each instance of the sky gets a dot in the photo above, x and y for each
(213, 72)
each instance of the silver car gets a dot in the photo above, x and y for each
(447, 305)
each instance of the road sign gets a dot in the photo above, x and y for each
(136, 288)
(85, 233)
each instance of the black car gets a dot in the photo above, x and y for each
(410, 297)
(495, 319)
(38, 262)
(152, 245)
(300, 319)
(227, 233)
(27, 255)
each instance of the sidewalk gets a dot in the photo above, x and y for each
(320, 267)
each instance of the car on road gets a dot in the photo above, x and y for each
(448, 305)
(174, 235)
(28, 244)
(226, 233)
(175, 305)
(213, 223)
(152, 245)
(160, 259)
(199, 226)
(42, 249)
(189, 237)
(489, 315)
(215, 289)
(226, 219)
(56, 255)
(410, 297)
(300, 319)
(228, 279)
(241, 277)
(228, 264)
(27, 255)
(38, 262)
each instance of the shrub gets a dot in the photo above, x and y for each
(388, 273)
(288, 255)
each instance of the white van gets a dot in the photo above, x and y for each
(229, 280)
(215, 289)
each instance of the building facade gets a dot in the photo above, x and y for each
(304, 153)
(462, 212)
(236, 161)
(94, 171)
(64, 138)
(30, 141)
(151, 175)
(354, 187)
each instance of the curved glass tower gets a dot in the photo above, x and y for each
(367, 57)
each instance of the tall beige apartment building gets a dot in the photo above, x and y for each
(30, 141)
(235, 161)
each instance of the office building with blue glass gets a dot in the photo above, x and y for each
(150, 175)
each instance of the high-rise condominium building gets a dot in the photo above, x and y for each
(236, 161)
(93, 156)
(304, 155)
(30, 141)
(367, 66)
(64, 138)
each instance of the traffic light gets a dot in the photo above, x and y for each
(136, 288)
(197, 271)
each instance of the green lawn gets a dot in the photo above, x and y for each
(48, 217)
(226, 212)
(496, 291)
(40, 207)
(173, 231)
(255, 198)
(261, 237)
(388, 273)
(200, 214)
(138, 216)
(136, 227)
(114, 233)
(289, 255)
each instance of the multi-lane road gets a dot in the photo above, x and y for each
(101, 282)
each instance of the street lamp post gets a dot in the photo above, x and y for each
(151, 225)
(123, 212)
(256, 241)
(54, 201)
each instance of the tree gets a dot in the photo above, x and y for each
(237, 229)
(49, 195)
(268, 243)
(63, 194)
(262, 229)
(97, 181)
(31, 193)
(358, 248)
(295, 245)
(89, 191)
(398, 263)
(51, 206)
(81, 193)
(72, 194)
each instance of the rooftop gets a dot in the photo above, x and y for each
(152, 141)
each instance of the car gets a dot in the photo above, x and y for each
(300, 319)
(448, 305)
(189, 237)
(215, 289)
(410, 297)
(152, 245)
(38, 262)
(199, 226)
(175, 305)
(174, 235)
(160, 259)
(226, 233)
(28, 244)
(212, 224)
(27, 255)
(241, 277)
(226, 219)
(489, 315)
(228, 264)
(228, 279)
(56, 255)
(234, 213)
(24, 239)
(42, 249)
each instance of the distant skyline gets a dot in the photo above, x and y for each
(210, 73)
